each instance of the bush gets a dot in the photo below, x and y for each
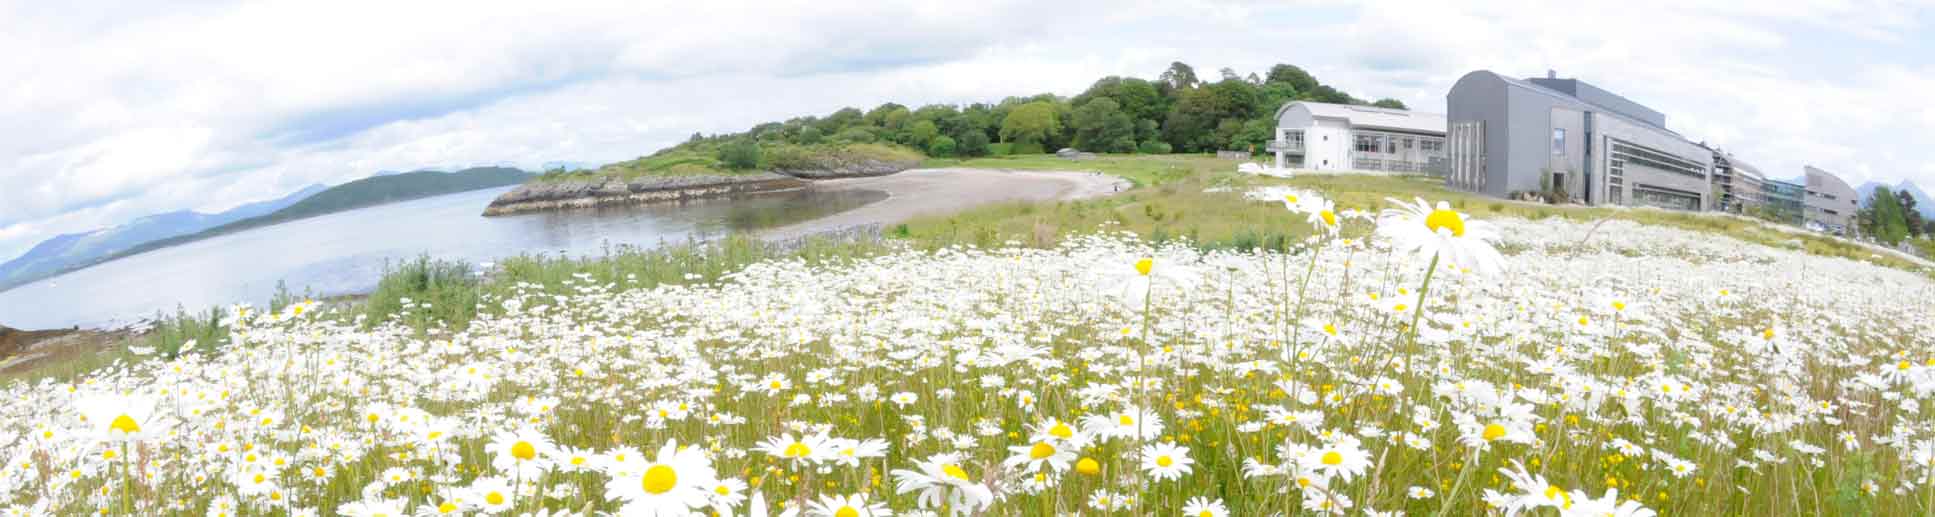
(1153, 147)
(1029, 148)
(740, 154)
(941, 147)
(809, 135)
(1001, 149)
(973, 143)
(855, 135)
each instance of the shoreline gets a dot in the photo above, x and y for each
(911, 193)
(919, 192)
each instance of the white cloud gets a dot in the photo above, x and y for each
(127, 110)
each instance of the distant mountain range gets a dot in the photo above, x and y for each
(1923, 202)
(79, 250)
(61, 252)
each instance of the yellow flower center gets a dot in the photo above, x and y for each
(1041, 450)
(1330, 329)
(125, 424)
(1333, 458)
(1205, 513)
(722, 490)
(797, 450)
(1903, 366)
(523, 450)
(1088, 466)
(1493, 432)
(494, 498)
(847, 511)
(1442, 219)
(1143, 266)
(447, 507)
(1292, 198)
(660, 479)
(1164, 461)
(1125, 420)
(1767, 334)
(1061, 430)
(1619, 305)
(1330, 218)
(954, 471)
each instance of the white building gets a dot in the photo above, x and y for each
(1331, 137)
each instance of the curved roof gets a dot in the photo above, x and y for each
(1371, 116)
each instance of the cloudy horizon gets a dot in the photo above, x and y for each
(127, 110)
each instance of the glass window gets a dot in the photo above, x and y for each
(1367, 144)
(1558, 140)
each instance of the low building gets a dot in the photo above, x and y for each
(1830, 203)
(1333, 137)
(1564, 137)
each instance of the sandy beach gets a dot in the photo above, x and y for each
(930, 191)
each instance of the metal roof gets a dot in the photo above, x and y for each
(1373, 117)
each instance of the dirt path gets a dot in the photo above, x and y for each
(935, 191)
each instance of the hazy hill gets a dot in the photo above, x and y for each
(366, 192)
(1923, 203)
(66, 251)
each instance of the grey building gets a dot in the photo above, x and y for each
(1508, 136)
(1830, 202)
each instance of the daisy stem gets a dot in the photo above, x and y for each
(1463, 474)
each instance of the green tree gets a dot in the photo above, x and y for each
(840, 120)
(877, 116)
(1388, 102)
(1031, 123)
(972, 143)
(1910, 214)
(1199, 112)
(855, 135)
(1178, 77)
(1101, 126)
(810, 135)
(1883, 218)
(941, 146)
(1291, 75)
(922, 132)
(739, 154)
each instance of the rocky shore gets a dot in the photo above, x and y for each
(607, 190)
(599, 191)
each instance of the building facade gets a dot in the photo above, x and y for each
(1830, 203)
(1783, 201)
(1334, 137)
(1565, 137)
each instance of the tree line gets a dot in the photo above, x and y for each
(1176, 112)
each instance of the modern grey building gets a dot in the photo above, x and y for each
(1507, 137)
(1831, 203)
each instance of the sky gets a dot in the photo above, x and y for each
(115, 110)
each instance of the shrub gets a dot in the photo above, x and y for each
(855, 135)
(1028, 148)
(740, 154)
(809, 135)
(1001, 149)
(973, 143)
(1153, 147)
(941, 146)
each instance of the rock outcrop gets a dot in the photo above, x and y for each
(596, 191)
(836, 166)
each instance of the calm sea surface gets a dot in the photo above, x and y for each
(347, 252)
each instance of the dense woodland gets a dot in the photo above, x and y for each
(1178, 111)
